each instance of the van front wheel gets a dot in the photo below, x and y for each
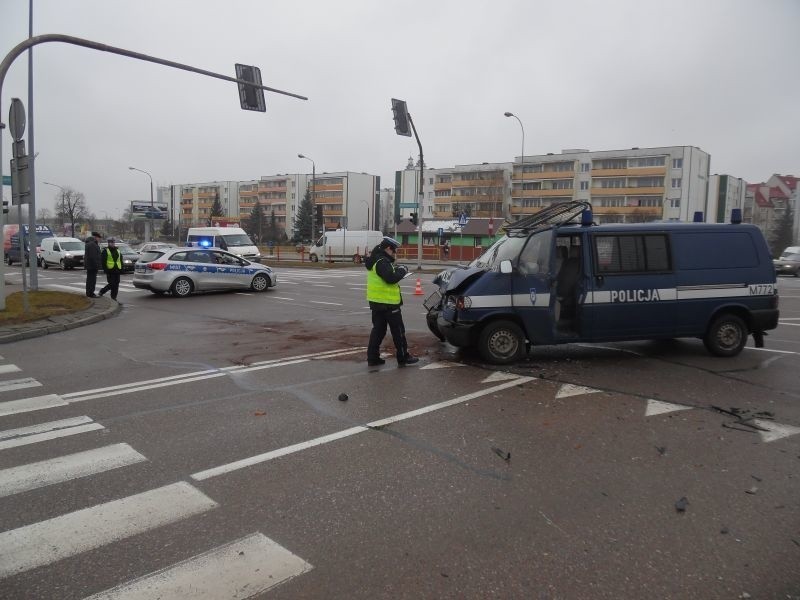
(726, 336)
(501, 343)
(314, 258)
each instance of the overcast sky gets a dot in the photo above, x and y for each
(718, 74)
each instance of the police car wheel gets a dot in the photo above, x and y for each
(501, 343)
(181, 287)
(726, 336)
(259, 283)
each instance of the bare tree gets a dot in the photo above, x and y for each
(44, 215)
(71, 207)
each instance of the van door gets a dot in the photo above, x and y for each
(531, 284)
(631, 291)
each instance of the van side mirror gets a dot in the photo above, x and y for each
(505, 266)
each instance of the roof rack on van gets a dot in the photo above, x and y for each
(557, 214)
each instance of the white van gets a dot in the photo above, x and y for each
(232, 239)
(66, 252)
(343, 244)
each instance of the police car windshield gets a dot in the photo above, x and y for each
(237, 240)
(503, 249)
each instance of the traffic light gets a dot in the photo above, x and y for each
(319, 219)
(250, 96)
(414, 218)
(401, 119)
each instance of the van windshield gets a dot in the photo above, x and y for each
(505, 248)
(72, 245)
(238, 239)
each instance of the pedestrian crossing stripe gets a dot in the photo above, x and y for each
(9, 369)
(239, 569)
(45, 542)
(65, 468)
(18, 384)
(13, 438)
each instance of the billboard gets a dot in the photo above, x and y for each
(145, 210)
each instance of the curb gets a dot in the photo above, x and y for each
(101, 309)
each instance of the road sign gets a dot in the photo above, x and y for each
(16, 119)
(462, 220)
(6, 179)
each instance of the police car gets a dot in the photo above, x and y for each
(556, 278)
(183, 271)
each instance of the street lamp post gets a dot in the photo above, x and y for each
(152, 206)
(313, 194)
(369, 225)
(522, 156)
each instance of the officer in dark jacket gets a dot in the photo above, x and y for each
(385, 300)
(91, 261)
(111, 260)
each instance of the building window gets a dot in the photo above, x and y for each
(677, 163)
(675, 203)
(586, 167)
(676, 183)
(584, 185)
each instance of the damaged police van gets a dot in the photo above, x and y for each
(558, 278)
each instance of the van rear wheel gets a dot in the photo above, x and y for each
(726, 336)
(501, 343)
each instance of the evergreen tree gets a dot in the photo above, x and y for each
(216, 207)
(256, 223)
(303, 218)
(783, 235)
(273, 227)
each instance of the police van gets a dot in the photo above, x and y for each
(557, 278)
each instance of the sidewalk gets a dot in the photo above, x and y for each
(99, 309)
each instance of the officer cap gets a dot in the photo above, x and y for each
(388, 242)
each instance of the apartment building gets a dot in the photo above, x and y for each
(348, 199)
(725, 192)
(634, 185)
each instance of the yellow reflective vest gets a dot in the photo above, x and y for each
(111, 262)
(380, 291)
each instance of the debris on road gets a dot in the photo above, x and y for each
(259, 413)
(744, 418)
(662, 450)
(506, 456)
(343, 397)
(681, 504)
(751, 491)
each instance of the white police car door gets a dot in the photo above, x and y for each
(632, 289)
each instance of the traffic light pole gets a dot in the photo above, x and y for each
(421, 195)
(68, 39)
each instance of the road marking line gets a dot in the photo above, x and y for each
(790, 324)
(776, 430)
(13, 407)
(266, 456)
(658, 407)
(320, 302)
(282, 298)
(52, 435)
(43, 427)
(770, 350)
(64, 468)
(9, 369)
(567, 390)
(240, 569)
(18, 384)
(322, 285)
(47, 541)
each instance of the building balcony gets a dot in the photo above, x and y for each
(627, 210)
(544, 175)
(335, 187)
(477, 183)
(542, 193)
(442, 186)
(632, 172)
(636, 191)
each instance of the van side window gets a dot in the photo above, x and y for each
(711, 250)
(535, 257)
(632, 253)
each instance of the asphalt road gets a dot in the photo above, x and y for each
(199, 445)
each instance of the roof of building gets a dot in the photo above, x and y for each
(790, 181)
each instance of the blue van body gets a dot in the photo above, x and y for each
(13, 253)
(552, 280)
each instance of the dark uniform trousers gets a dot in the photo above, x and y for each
(91, 281)
(381, 317)
(112, 277)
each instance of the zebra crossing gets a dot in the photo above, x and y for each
(239, 568)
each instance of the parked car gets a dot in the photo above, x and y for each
(150, 246)
(183, 271)
(789, 262)
(129, 256)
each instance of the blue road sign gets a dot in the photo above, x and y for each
(6, 179)
(462, 220)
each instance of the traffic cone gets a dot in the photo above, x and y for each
(418, 290)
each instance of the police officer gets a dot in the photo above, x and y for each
(91, 262)
(111, 260)
(385, 300)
